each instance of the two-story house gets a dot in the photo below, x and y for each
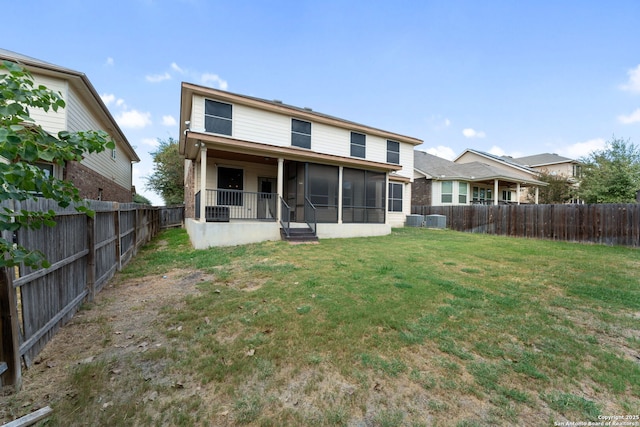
(99, 176)
(259, 170)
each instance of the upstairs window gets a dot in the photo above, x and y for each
(217, 117)
(358, 145)
(393, 152)
(577, 171)
(300, 133)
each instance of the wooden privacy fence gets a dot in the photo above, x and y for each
(84, 254)
(610, 224)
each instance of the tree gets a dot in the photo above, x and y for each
(22, 143)
(168, 176)
(611, 175)
(139, 198)
(558, 190)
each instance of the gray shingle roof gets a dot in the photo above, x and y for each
(440, 168)
(542, 159)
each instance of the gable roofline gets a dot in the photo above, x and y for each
(471, 172)
(190, 89)
(77, 79)
(498, 159)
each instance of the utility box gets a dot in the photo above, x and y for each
(415, 220)
(435, 221)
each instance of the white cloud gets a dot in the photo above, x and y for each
(472, 133)
(582, 149)
(631, 118)
(169, 121)
(110, 99)
(157, 78)
(208, 78)
(176, 68)
(133, 119)
(109, 62)
(150, 142)
(442, 151)
(107, 98)
(633, 85)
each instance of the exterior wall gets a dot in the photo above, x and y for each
(398, 219)
(79, 117)
(562, 169)
(51, 121)
(267, 127)
(204, 235)
(94, 186)
(421, 192)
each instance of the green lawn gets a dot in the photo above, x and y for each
(421, 327)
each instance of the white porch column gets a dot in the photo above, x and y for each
(385, 202)
(518, 193)
(340, 175)
(280, 186)
(203, 182)
(495, 191)
(537, 194)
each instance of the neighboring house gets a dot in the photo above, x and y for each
(554, 165)
(507, 165)
(99, 176)
(439, 182)
(257, 170)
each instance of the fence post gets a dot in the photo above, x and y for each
(9, 332)
(91, 257)
(116, 223)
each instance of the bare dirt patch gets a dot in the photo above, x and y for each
(124, 318)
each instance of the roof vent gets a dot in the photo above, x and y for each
(308, 109)
(277, 101)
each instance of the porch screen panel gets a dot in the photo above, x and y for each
(323, 191)
(363, 196)
(376, 197)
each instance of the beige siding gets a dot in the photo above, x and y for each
(469, 157)
(51, 121)
(561, 169)
(251, 124)
(330, 140)
(81, 118)
(197, 114)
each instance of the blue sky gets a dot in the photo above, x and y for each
(507, 77)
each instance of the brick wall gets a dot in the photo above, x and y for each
(421, 192)
(94, 186)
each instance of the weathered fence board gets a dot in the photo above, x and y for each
(610, 224)
(84, 254)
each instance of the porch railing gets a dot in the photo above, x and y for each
(285, 219)
(310, 216)
(225, 205)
